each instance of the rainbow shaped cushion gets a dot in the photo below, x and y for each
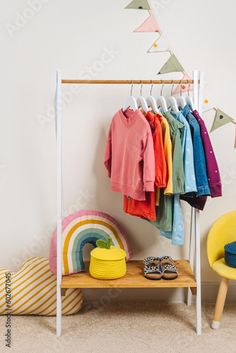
(34, 289)
(79, 229)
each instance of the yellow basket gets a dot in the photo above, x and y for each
(107, 263)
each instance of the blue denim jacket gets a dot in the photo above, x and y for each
(199, 155)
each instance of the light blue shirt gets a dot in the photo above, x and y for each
(177, 234)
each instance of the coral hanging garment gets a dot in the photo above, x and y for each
(129, 154)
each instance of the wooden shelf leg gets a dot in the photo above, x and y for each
(220, 303)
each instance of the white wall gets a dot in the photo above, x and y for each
(94, 39)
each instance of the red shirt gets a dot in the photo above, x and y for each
(147, 209)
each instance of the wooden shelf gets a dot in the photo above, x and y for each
(133, 279)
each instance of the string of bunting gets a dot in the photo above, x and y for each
(172, 64)
(159, 45)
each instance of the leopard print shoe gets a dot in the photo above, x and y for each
(169, 268)
(151, 260)
(153, 272)
(152, 268)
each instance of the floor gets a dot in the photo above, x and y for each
(124, 328)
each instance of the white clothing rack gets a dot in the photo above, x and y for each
(194, 243)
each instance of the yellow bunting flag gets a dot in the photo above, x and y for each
(159, 46)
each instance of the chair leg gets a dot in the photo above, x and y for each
(220, 302)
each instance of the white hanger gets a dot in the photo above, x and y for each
(173, 102)
(152, 102)
(131, 101)
(161, 101)
(189, 100)
(142, 100)
(181, 99)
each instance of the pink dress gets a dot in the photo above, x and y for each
(129, 155)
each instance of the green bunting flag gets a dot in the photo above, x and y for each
(172, 65)
(138, 5)
(221, 119)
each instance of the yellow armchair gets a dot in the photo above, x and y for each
(221, 233)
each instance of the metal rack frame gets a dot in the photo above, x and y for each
(194, 243)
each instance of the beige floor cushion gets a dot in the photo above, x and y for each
(33, 291)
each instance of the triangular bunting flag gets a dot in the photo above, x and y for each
(158, 46)
(220, 119)
(172, 65)
(149, 25)
(138, 5)
(184, 87)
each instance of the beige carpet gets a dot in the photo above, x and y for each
(124, 328)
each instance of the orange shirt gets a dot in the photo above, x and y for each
(161, 174)
(168, 155)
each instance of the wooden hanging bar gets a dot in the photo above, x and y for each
(128, 82)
